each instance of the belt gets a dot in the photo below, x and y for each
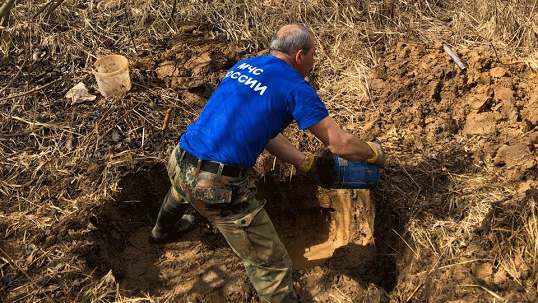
(210, 166)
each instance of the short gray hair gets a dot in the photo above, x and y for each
(292, 40)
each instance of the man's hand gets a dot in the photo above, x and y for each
(378, 157)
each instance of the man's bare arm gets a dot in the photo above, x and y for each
(282, 148)
(340, 142)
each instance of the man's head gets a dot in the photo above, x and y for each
(294, 44)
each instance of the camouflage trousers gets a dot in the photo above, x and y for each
(230, 204)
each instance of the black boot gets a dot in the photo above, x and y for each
(171, 221)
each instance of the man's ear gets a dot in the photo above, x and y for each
(299, 56)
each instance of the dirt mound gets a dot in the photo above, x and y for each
(193, 64)
(465, 133)
(488, 110)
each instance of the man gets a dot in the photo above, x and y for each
(210, 168)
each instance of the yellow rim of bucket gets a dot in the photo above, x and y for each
(114, 73)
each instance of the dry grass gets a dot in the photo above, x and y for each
(56, 159)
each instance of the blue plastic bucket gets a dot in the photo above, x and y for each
(337, 172)
(350, 174)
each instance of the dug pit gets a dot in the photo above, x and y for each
(313, 223)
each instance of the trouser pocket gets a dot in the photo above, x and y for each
(254, 239)
(212, 196)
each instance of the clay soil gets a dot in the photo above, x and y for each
(452, 220)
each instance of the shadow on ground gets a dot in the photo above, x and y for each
(198, 266)
(122, 228)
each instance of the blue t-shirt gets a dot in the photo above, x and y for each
(255, 101)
